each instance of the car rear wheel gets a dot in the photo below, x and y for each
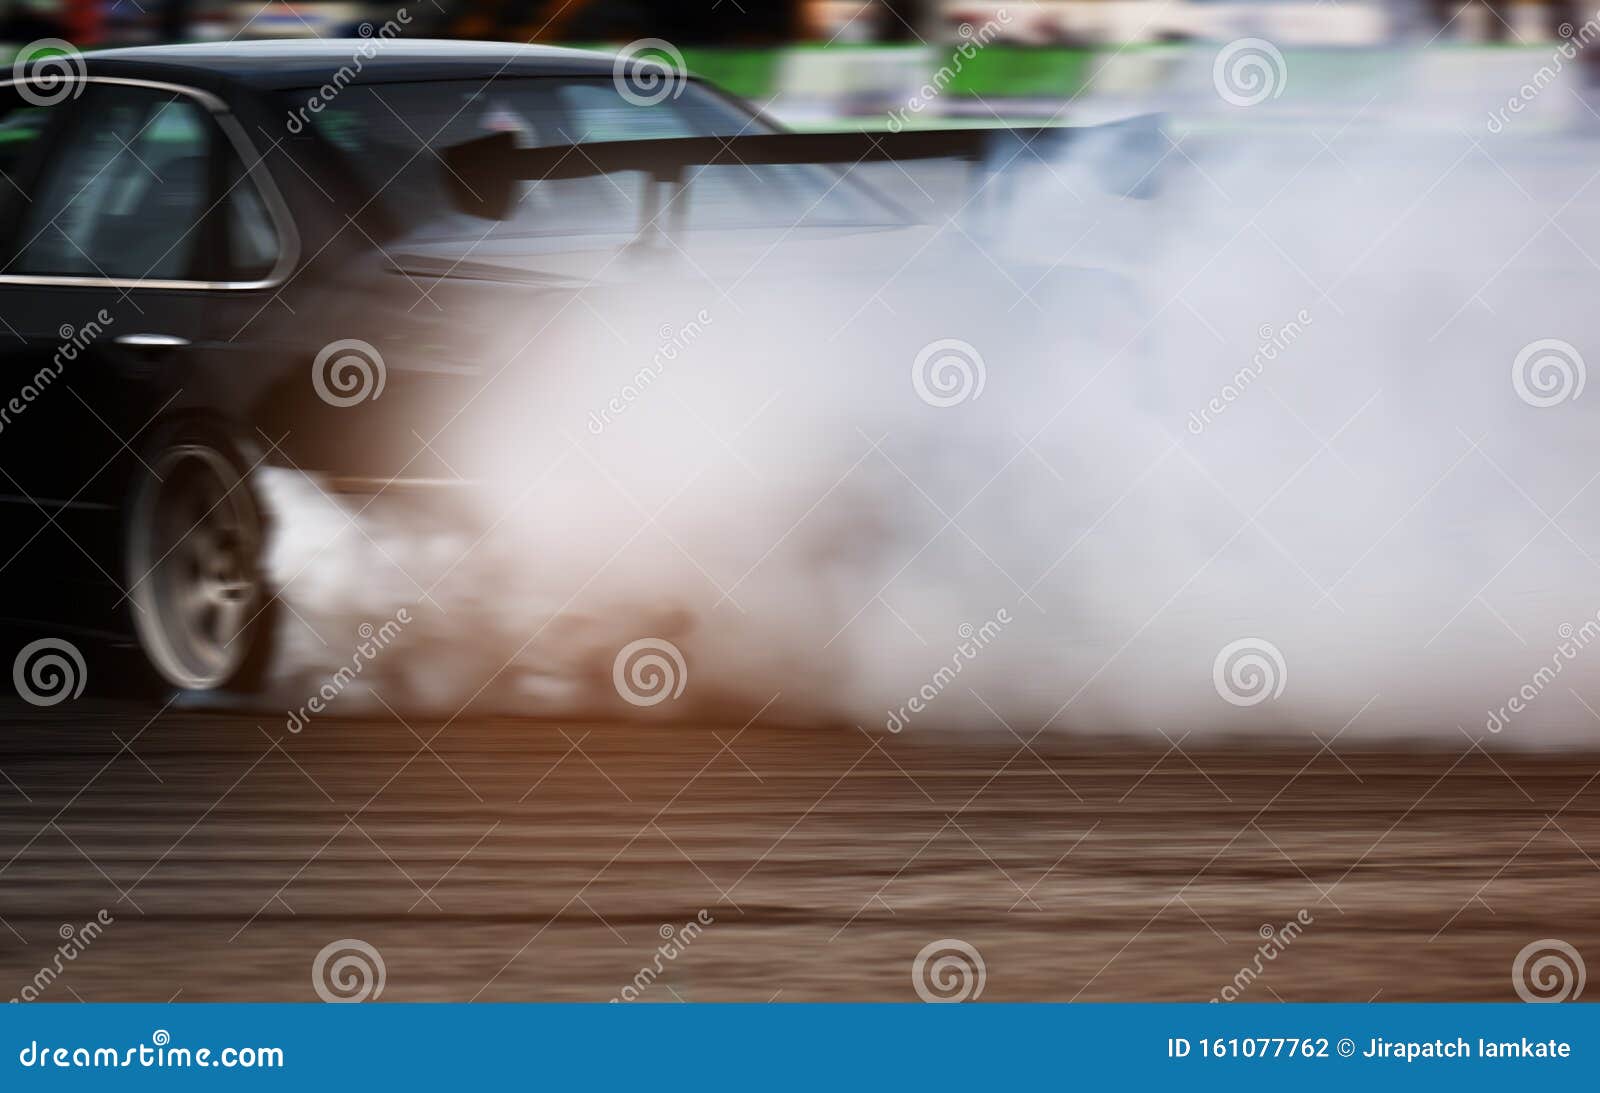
(195, 539)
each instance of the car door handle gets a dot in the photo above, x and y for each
(152, 341)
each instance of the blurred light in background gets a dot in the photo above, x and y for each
(823, 63)
(814, 22)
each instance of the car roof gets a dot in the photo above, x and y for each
(290, 63)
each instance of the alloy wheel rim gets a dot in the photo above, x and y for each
(197, 537)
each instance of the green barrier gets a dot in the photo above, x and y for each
(1002, 71)
(1005, 71)
(748, 73)
(1017, 72)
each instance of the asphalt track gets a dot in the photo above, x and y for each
(514, 860)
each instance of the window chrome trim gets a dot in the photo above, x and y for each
(277, 208)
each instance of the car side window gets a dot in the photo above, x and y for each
(250, 238)
(129, 195)
(126, 194)
(22, 126)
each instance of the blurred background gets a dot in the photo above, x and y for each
(814, 62)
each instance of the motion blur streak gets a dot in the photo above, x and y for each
(1376, 311)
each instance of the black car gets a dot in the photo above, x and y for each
(325, 255)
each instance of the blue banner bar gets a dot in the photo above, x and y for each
(813, 1048)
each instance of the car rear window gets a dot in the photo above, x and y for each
(392, 135)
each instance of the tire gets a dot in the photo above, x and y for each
(195, 536)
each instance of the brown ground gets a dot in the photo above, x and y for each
(529, 861)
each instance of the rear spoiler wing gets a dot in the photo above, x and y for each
(481, 175)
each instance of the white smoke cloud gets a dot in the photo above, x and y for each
(1290, 413)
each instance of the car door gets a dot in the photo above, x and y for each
(103, 289)
(30, 127)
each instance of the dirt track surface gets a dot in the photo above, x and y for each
(533, 861)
